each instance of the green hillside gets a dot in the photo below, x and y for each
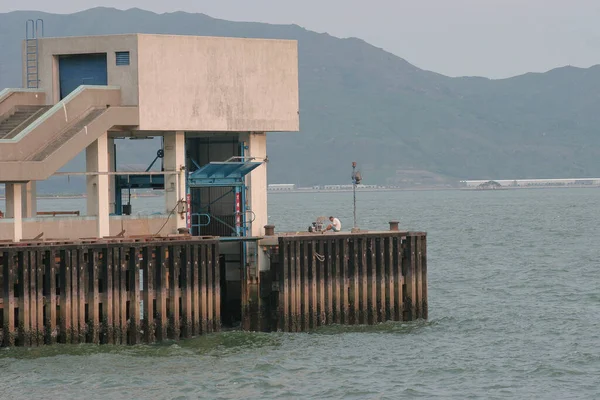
(401, 123)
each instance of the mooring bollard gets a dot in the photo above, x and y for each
(394, 225)
(269, 230)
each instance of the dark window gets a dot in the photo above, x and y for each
(122, 57)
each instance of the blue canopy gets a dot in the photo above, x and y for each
(229, 173)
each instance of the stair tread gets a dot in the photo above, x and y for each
(55, 144)
(8, 127)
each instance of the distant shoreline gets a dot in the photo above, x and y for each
(310, 190)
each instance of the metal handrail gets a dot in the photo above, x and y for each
(199, 225)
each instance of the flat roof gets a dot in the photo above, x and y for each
(165, 35)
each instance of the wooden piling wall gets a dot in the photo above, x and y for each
(349, 279)
(93, 292)
(129, 292)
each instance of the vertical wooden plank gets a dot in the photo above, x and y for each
(8, 273)
(373, 314)
(161, 297)
(149, 267)
(210, 303)
(329, 281)
(356, 294)
(398, 279)
(381, 272)
(292, 287)
(65, 296)
(33, 296)
(40, 299)
(314, 316)
(134, 294)
(217, 286)
(174, 265)
(117, 328)
(244, 291)
(83, 287)
(50, 279)
(107, 296)
(282, 306)
(419, 278)
(425, 305)
(74, 291)
(345, 282)
(305, 286)
(390, 289)
(126, 269)
(94, 296)
(364, 281)
(24, 310)
(298, 265)
(195, 277)
(411, 289)
(203, 289)
(322, 288)
(338, 281)
(187, 291)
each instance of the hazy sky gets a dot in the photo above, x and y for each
(493, 38)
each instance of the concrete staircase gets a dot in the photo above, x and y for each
(19, 119)
(36, 141)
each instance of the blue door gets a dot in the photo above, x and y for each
(81, 69)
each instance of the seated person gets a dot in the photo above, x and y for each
(335, 225)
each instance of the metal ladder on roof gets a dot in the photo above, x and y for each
(33, 31)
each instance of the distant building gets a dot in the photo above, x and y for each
(281, 187)
(534, 182)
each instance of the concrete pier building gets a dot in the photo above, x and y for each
(211, 99)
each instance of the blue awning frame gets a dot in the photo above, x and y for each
(224, 173)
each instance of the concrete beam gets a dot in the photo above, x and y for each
(97, 185)
(174, 160)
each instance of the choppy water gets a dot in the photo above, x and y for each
(514, 305)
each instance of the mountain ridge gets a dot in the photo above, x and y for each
(362, 103)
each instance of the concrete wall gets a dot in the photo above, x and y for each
(85, 227)
(191, 82)
(217, 84)
(126, 77)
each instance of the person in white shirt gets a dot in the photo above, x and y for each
(335, 225)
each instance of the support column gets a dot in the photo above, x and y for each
(97, 185)
(174, 160)
(14, 210)
(29, 200)
(257, 182)
(112, 158)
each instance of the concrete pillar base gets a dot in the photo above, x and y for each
(175, 190)
(98, 185)
(29, 200)
(14, 210)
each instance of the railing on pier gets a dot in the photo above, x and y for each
(120, 292)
